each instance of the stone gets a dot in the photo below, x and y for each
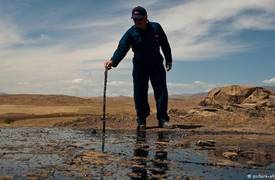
(238, 96)
(230, 155)
(209, 143)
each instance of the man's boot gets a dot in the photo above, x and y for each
(141, 124)
(165, 124)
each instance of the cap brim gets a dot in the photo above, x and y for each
(138, 16)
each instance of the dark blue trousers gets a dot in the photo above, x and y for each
(141, 76)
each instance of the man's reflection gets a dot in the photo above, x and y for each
(141, 150)
(160, 158)
(143, 167)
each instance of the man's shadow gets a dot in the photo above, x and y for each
(145, 167)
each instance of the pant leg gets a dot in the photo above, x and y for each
(140, 81)
(158, 81)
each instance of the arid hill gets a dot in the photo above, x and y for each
(41, 100)
(236, 106)
(241, 96)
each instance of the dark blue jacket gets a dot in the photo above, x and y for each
(145, 45)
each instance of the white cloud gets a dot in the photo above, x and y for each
(193, 87)
(116, 88)
(197, 30)
(270, 81)
(255, 22)
(118, 83)
(77, 80)
(189, 27)
(9, 33)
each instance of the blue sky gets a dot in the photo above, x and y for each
(59, 46)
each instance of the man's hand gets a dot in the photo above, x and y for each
(168, 66)
(108, 64)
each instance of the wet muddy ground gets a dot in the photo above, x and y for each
(66, 153)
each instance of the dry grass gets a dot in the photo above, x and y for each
(38, 110)
(121, 113)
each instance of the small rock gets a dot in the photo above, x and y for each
(209, 143)
(251, 163)
(193, 111)
(229, 108)
(6, 177)
(91, 131)
(230, 155)
(210, 109)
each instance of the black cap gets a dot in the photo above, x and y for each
(138, 12)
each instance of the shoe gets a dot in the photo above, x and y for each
(141, 127)
(141, 123)
(165, 124)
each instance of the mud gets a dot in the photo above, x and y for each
(66, 153)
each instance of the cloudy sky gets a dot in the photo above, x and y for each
(59, 46)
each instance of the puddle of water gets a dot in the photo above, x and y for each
(130, 155)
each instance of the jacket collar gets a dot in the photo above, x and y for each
(147, 27)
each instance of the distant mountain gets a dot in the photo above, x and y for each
(191, 95)
(271, 88)
(40, 99)
(2, 93)
(202, 94)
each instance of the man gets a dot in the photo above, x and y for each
(145, 38)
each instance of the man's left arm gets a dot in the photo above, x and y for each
(166, 49)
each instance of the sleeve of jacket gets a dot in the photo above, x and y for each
(165, 46)
(122, 49)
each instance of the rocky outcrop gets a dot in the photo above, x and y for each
(239, 96)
